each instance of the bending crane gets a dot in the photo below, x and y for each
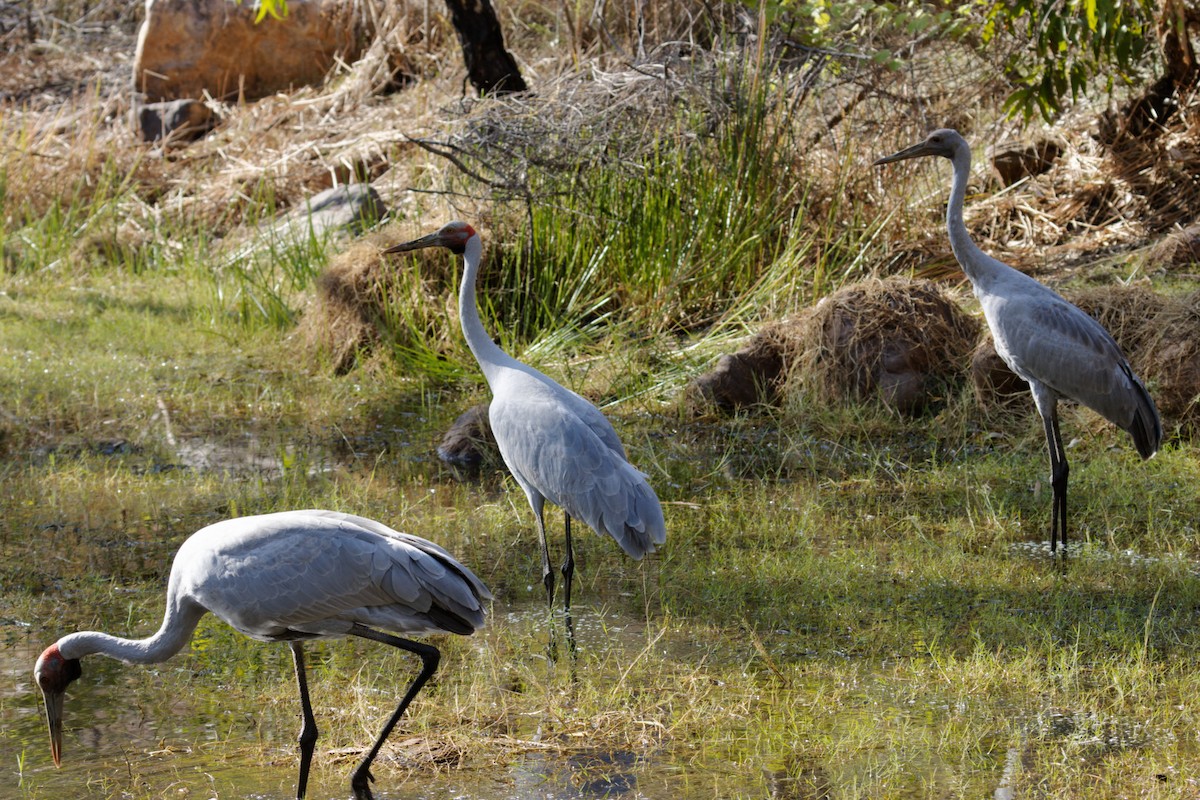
(289, 577)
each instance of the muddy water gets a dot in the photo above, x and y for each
(202, 747)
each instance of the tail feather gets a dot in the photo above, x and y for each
(1146, 425)
(642, 529)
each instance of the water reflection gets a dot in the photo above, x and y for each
(120, 741)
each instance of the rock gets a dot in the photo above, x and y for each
(1015, 162)
(354, 206)
(188, 47)
(180, 120)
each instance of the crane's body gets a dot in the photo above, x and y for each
(557, 445)
(288, 577)
(1059, 350)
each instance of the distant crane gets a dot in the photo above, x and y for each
(288, 577)
(1050, 343)
(557, 445)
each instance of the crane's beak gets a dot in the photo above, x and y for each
(916, 151)
(54, 712)
(432, 240)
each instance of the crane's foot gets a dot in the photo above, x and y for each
(360, 782)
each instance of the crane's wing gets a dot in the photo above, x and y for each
(596, 422)
(1046, 339)
(581, 407)
(552, 451)
(297, 574)
(431, 548)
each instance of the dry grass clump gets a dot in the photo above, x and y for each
(65, 126)
(997, 388)
(748, 377)
(901, 340)
(341, 321)
(1179, 248)
(1171, 358)
(1129, 313)
(364, 299)
(582, 123)
(1103, 194)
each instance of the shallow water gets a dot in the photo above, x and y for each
(200, 746)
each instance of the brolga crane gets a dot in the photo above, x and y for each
(1059, 350)
(290, 577)
(557, 445)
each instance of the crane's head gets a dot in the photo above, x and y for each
(453, 236)
(943, 142)
(54, 674)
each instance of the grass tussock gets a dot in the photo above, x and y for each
(906, 342)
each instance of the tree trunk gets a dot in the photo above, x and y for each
(490, 67)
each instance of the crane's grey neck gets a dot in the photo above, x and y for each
(968, 254)
(178, 624)
(490, 357)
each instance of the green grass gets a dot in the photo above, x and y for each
(843, 602)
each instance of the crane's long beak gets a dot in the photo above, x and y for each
(54, 712)
(431, 240)
(916, 151)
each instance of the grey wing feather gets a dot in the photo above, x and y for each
(1053, 342)
(584, 411)
(596, 422)
(316, 573)
(549, 448)
(440, 554)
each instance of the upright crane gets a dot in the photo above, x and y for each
(557, 445)
(1056, 347)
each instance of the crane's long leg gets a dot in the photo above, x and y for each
(308, 726)
(568, 565)
(547, 572)
(568, 571)
(1059, 469)
(430, 656)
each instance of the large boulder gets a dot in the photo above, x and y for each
(188, 47)
(352, 206)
